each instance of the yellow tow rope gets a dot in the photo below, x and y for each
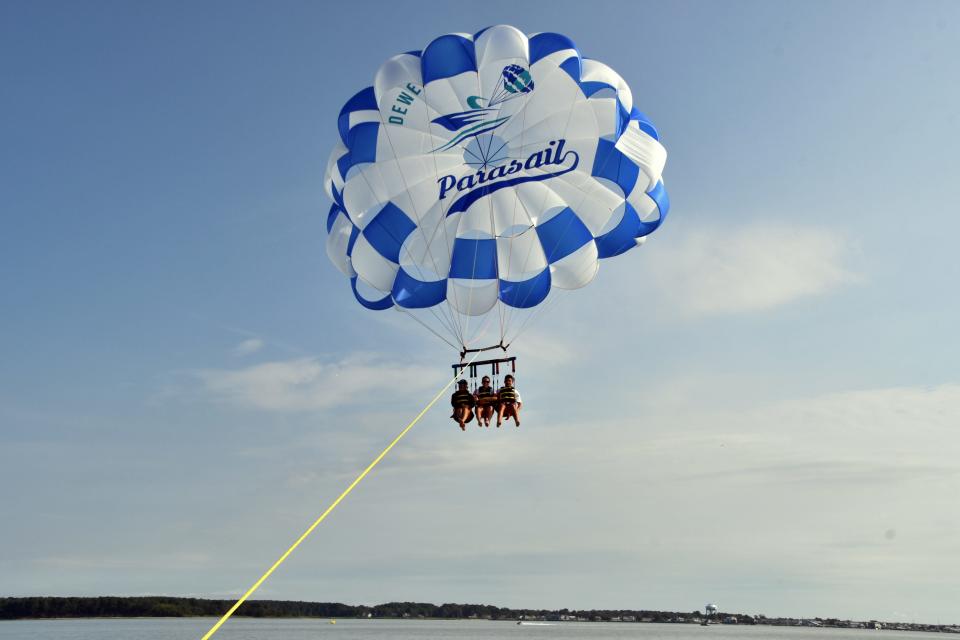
(333, 505)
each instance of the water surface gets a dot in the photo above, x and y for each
(349, 629)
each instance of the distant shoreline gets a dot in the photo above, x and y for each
(119, 607)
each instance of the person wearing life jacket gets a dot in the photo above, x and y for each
(463, 402)
(510, 402)
(486, 402)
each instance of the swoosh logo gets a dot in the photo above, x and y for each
(456, 121)
(475, 130)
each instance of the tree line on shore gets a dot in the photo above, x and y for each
(170, 607)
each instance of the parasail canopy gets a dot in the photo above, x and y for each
(479, 177)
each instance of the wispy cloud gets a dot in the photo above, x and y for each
(753, 268)
(248, 346)
(875, 437)
(138, 561)
(308, 384)
(834, 473)
(547, 349)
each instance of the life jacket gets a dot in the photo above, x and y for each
(485, 392)
(508, 394)
(462, 399)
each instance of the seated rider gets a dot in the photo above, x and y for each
(510, 401)
(463, 402)
(486, 402)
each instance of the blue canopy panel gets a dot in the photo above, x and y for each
(611, 164)
(411, 293)
(332, 216)
(562, 234)
(374, 305)
(387, 231)
(474, 259)
(621, 238)
(644, 123)
(364, 100)
(447, 56)
(362, 145)
(526, 293)
(659, 196)
(544, 44)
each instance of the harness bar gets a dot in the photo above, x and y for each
(494, 368)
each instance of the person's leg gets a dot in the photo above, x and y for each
(500, 414)
(459, 412)
(516, 414)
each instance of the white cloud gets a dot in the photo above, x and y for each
(546, 349)
(880, 436)
(308, 384)
(824, 477)
(753, 268)
(480, 449)
(124, 560)
(245, 348)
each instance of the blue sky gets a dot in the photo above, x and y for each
(767, 390)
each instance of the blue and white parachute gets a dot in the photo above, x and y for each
(479, 176)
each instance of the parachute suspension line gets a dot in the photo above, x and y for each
(563, 234)
(454, 315)
(403, 178)
(553, 294)
(500, 307)
(428, 327)
(448, 319)
(509, 313)
(333, 505)
(446, 324)
(513, 311)
(469, 315)
(541, 310)
(493, 228)
(554, 297)
(427, 241)
(482, 331)
(493, 232)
